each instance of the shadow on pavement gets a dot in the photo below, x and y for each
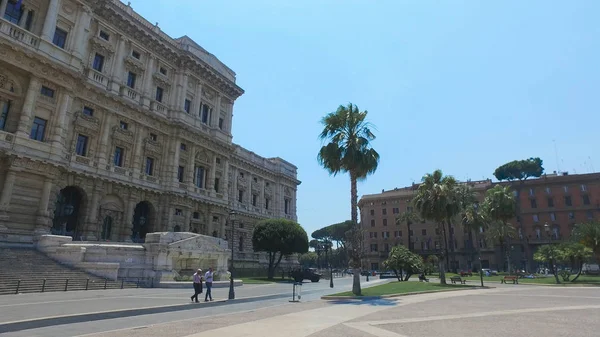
(368, 301)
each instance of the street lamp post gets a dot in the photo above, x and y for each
(552, 258)
(328, 249)
(230, 219)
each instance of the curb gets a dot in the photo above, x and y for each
(368, 298)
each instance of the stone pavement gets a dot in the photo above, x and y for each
(519, 310)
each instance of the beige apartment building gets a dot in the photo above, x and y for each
(549, 208)
(110, 129)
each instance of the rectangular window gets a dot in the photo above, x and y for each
(88, 111)
(423, 232)
(411, 232)
(187, 105)
(583, 188)
(4, 113)
(153, 137)
(586, 199)
(532, 191)
(254, 199)
(536, 218)
(47, 92)
(590, 215)
(196, 215)
(267, 203)
(123, 125)
(104, 35)
(199, 181)
(385, 222)
(217, 185)
(550, 202)
(568, 201)
(372, 222)
(159, 94)
(396, 210)
(533, 203)
(286, 206)
(373, 249)
(553, 216)
(38, 129)
(183, 147)
(131, 78)
(372, 212)
(81, 147)
(118, 157)
(180, 174)
(162, 71)
(221, 123)
(149, 166)
(566, 189)
(29, 20)
(571, 215)
(548, 190)
(384, 211)
(135, 54)
(12, 13)
(240, 195)
(60, 38)
(205, 113)
(98, 64)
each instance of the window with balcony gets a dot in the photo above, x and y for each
(45, 91)
(199, 176)
(38, 129)
(131, 79)
(538, 233)
(553, 216)
(81, 146)
(29, 20)
(240, 196)
(159, 94)
(149, 166)
(4, 109)
(88, 111)
(13, 12)
(555, 232)
(135, 54)
(104, 35)
(98, 63)
(187, 104)
(118, 157)
(180, 173)
(162, 71)
(586, 199)
(217, 185)
(60, 38)
(221, 121)
(550, 202)
(568, 201)
(205, 114)
(533, 203)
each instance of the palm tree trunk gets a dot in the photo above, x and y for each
(356, 237)
(580, 263)
(446, 245)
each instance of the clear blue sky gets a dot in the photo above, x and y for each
(463, 86)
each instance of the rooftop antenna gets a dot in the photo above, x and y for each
(556, 155)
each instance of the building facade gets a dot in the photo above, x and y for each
(548, 208)
(110, 129)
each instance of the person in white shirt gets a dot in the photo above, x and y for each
(197, 285)
(208, 278)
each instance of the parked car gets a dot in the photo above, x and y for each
(306, 274)
(489, 272)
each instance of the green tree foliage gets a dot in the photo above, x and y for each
(588, 234)
(308, 260)
(520, 169)
(549, 254)
(575, 253)
(404, 263)
(279, 237)
(349, 135)
(499, 207)
(408, 217)
(433, 201)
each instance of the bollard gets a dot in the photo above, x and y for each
(105, 280)
(87, 283)
(122, 282)
(44, 285)
(66, 284)
(18, 286)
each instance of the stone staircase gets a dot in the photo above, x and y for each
(25, 270)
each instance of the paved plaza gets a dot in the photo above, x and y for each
(520, 310)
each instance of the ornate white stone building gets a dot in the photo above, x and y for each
(111, 129)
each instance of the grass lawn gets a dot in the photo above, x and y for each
(582, 280)
(403, 288)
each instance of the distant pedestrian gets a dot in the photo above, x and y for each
(208, 278)
(197, 285)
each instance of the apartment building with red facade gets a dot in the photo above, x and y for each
(548, 208)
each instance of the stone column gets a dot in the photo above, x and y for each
(117, 70)
(50, 21)
(104, 151)
(188, 219)
(82, 30)
(7, 189)
(261, 201)
(147, 90)
(229, 119)
(198, 99)
(27, 113)
(209, 223)
(3, 4)
(249, 194)
(137, 154)
(226, 179)
(23, 19)
(214, 118)
(212, 175)
(183, 93)
(189, 176)
(234, 176)
(58, 137)
(43, 216)
(128, 221)
(92, 220)
(175, 166)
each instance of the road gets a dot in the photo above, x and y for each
(77, 313)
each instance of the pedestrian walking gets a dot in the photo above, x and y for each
(197, 285)
(208, 278)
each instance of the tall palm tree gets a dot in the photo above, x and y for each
(409, 217)
(470, 215)
(348, 135)
(432, 200)
(499, 205)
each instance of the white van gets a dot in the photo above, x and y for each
(588, 268)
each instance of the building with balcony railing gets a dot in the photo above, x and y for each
(110, 129)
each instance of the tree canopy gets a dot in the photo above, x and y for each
(588, 234)
(402, 260)
(279, 237)
(520, 169)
